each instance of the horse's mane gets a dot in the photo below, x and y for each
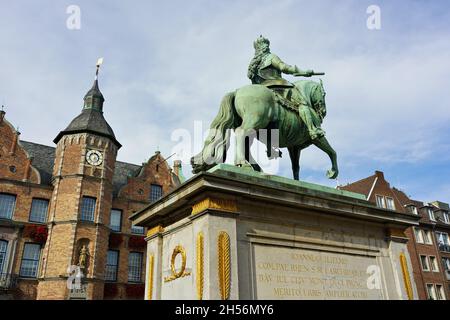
(307, 88)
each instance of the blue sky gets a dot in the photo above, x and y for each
(168, 64)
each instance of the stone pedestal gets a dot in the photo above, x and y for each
(234, 234)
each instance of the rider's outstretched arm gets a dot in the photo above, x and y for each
(288, 69)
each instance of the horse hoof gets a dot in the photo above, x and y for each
(245, 165)
(332, 174)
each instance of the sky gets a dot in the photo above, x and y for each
(167, 65)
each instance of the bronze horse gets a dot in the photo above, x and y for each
(255, 107)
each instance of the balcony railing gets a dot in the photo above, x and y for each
(7, 281)
(444, 247)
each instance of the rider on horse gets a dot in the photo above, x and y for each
(266, 69)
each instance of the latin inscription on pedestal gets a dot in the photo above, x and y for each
(291, 273)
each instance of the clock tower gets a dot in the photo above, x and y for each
(79, 213)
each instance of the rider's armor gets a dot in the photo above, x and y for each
(269, 74)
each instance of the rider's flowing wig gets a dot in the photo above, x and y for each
(261, 46)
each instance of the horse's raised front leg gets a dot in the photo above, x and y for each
(323, 145)
(294, 153)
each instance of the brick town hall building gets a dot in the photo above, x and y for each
(68, 206)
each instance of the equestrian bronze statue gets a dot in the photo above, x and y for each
(296, 110)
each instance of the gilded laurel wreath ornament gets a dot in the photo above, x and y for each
(179, 250)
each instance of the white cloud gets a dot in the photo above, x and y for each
(168, 64)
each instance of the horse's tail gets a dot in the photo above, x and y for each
(216, 144)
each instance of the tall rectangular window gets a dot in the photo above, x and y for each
(428, 237)
(434, 264)
(446, 217)
(88, 208)
(30, 260)
(155, 192)
(418, 234)
(424, 262)
(440, 294)
(380, 201)
(134, 266)
(116, 220)
(431, 214)
(3, 254)
(446, 263)
(442, 238)
(390, 203)
(137, 230)
(431, 291)
(7, 205)
(112, 264)
(39, 209)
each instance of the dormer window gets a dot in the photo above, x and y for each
(446, 217)
(410, 208)
(381, 203)
(390, 203)
(431, 214)
(385, 202)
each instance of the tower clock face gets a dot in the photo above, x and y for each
(94, 157)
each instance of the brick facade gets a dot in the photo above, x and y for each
(422, 240)
(63, 176)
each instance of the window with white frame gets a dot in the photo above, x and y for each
(431, 291)
(440, 294)
(434, 264)
(446, 263)
(88, 208)
(30, 260)
(134, 266)
(428, 237)
(442, 238)
(7, 205)
(424, 262)
(413, 210)
(381, 203)
(390, 203)
(446, 217)
(431, 214)
(115, 223)
(112, 264)
(3, 254)
(137, 230)
(418, 234)
(39, 209)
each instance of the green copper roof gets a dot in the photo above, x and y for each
(254, 176)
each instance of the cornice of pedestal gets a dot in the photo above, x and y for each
(222, 189)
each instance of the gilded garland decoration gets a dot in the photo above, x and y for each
(224, 268)
(200, 258)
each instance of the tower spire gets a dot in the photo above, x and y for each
(91, 118)
(94, 98)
